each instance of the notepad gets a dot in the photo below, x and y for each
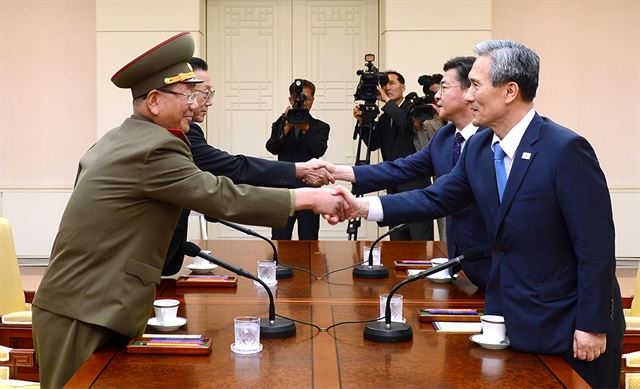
(458, 327)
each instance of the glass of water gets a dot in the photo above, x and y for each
(267, 272)
(376, 255)
(396, 307)
(247, 335)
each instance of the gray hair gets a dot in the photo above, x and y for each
(512, 62)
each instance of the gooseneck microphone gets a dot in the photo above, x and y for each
(392, 332)
(272, 327)
(281, 271)
(375, 271)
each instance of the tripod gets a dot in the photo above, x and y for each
(365, 128)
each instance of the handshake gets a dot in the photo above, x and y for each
(336, 204)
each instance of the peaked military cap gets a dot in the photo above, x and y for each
(163, 65)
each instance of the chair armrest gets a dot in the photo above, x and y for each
(22, 364)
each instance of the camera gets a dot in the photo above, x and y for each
(370, 78)
(298, 114)
(420, 107)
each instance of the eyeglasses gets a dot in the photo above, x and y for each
(444, 87)
(208, 94)
(191, 97)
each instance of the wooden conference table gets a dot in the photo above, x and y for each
(339, 358)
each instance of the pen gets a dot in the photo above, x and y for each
(210, 276)
(453, 311)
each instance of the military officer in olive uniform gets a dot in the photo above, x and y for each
(115, 231)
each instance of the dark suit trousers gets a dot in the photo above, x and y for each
(63, 344)
(604, 372)
(308, 226)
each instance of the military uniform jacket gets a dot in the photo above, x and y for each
(115, 231)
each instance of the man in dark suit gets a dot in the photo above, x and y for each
(393, 135)
(239, 168)
(465, 228)
(546, 205)
(295, 143)
(130, 188)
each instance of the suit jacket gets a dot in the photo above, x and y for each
(393, 135)
(113, 238)
(465, 228)
(239, 168)
(297, 146)
(552, 235)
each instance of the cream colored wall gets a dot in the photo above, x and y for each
(57, 98)
(589, 82)
(47, 106)
(418, 36)
(127, 28)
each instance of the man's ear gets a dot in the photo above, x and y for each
(153, 102)
(511, 92)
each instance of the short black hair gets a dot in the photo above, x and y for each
(305, 84)
(463, 66)
(400, 78)
(198, 64)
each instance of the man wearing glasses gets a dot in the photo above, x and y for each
(239, 168)
(131, 185)
(465, 228)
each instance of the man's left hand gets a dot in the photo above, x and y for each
(588, 346)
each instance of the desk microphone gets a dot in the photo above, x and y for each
(376, 271)
(392, 332)
(281, 271)
(269, 328)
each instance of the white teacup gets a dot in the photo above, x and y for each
(166, 310)
(442, 273)
(493, 327)
(201, 262)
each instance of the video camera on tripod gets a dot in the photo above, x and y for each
(367, 89)
(420, 107)
(367, 92)
(298, 114)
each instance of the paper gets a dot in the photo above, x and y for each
(459, 327)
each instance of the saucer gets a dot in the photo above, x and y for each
(201, 269)
(442, 280)
(233, 348)
(174, 325)
(489, 343)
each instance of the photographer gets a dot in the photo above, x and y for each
(298, 142)
(393, 135)
(426, 127)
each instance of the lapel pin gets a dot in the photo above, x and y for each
(526, 155)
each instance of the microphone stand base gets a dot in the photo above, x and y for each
(280, 328)
(283, 272)
(366, 271)
(397, 332)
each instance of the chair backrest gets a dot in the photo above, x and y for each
(12, 296)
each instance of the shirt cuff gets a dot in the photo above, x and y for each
(376, 214)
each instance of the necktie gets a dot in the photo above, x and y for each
(501, 173)
(457, 147)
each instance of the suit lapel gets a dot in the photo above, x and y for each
(522, 159)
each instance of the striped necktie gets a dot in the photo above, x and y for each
(457, 147)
